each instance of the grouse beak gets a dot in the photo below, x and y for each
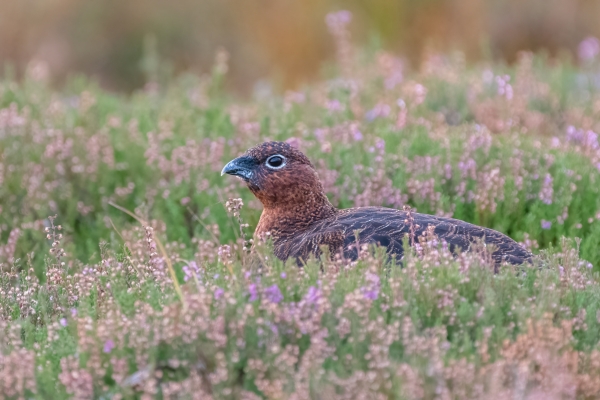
(241, 167)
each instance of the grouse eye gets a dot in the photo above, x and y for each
(276, 162)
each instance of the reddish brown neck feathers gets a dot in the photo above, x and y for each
(286, 184)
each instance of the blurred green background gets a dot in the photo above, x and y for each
(283, 41)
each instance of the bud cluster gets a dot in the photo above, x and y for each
(410, 220)
(53, 234)
(224, 253)
(234, 207)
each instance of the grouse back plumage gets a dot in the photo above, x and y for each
(300, 218)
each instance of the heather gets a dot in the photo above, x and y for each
(128, 268)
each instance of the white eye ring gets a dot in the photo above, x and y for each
(271, 159)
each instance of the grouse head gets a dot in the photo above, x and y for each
(279, 175)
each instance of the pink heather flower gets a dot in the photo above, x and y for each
(73, 312)
(335, 20)
(63, 322)
(294, 142)
(218, 293)
(253, 292)
(108, 346)
(487, 76)
(185, 201)
(283, 275)
(546, 224)
(294, 97)
(447, 171)
(588, 49)
(334, 106)
(273, 294)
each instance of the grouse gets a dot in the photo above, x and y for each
(300, 219)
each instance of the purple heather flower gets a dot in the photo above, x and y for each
(73, 312)
(283, 275)
(312, 295)
(273, 294)
(356, 133)
(370, 115)
(253, 292)
(274, 328)
(547, 191)
(573, 134)
(190, 270)
(371, 290)
(546, 224)
(218, 292)
(370, 294)
(320, 134)
(591, 139)
(380, 110)
(63, 322)
(108, 346)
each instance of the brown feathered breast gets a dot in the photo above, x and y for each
(301, 219)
